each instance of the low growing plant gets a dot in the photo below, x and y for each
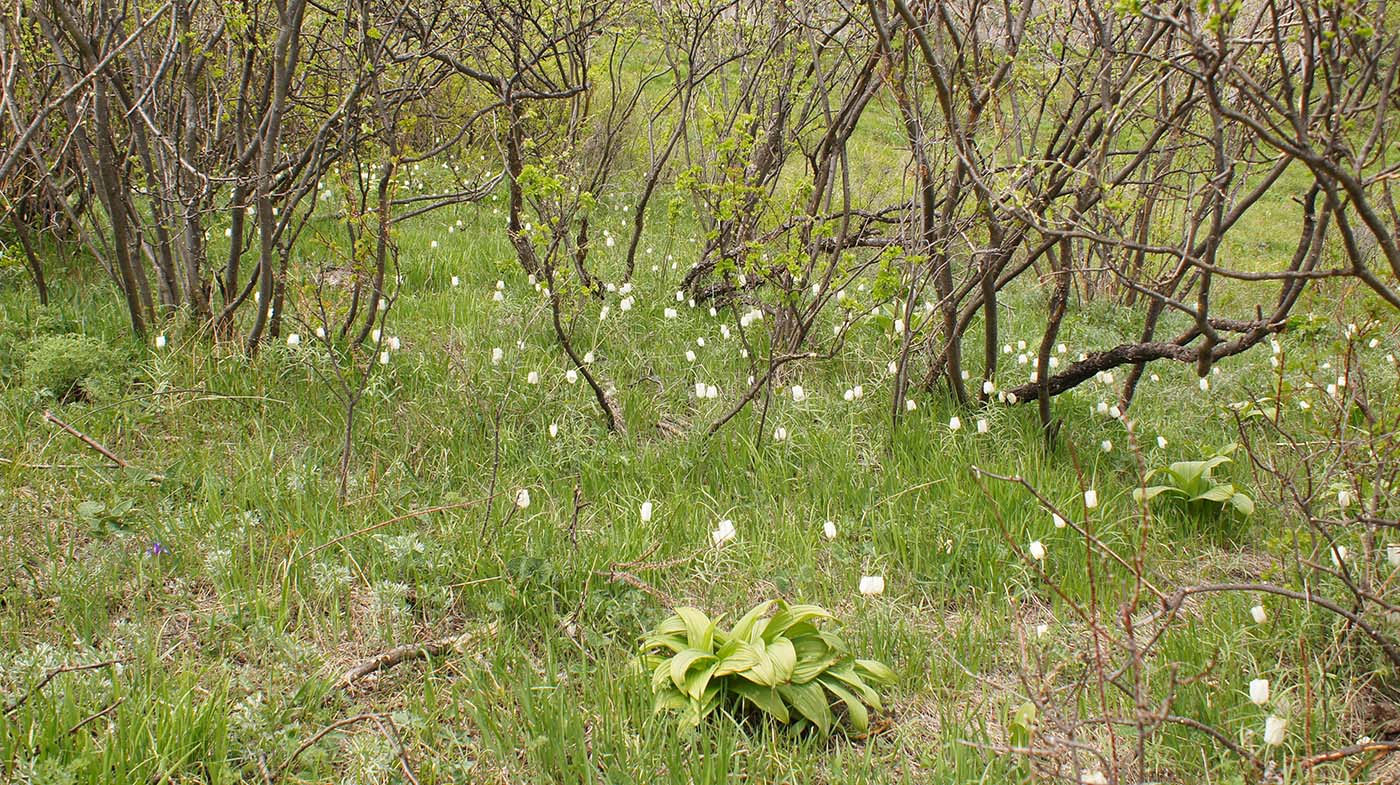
(1192, 484)
(784, 666)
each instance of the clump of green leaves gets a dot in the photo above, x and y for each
(73, 367)
(784, 666)
(1193, 485)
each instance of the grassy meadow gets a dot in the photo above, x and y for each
(223, 587)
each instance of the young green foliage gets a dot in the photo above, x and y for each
(1192, 484)
(783, 665)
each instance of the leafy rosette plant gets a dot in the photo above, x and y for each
(1192, 484)
(784, 666)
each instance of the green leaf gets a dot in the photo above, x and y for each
(811, 702)
(682, 663)
(1243, 503)
(875, 671)
(1218, 494)
(765, 698)
(745, 627)
(860, 718)
(699, 630)
(783, 658)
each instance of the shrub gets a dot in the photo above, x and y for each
(783, 666)
(72, 367)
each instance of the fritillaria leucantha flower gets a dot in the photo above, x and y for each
(646, 512)
(522, 498)
(1259, 691)
(829, 529)
(723, 533)
(1259, 614)
(872, 585)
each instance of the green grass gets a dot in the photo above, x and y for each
(232, 642)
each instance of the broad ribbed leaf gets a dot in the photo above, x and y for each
(744, 628)
(784, 659)
(1243, 503)
(811, 702)
(683, 662)
(699, 630)
(743, 657)
(874, 671)
(790, 615)
(765, 698)
(860, 718)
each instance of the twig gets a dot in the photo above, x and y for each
(401, 654)
(321, 734)
(97, 715)
(50, 676)
(85, 439)
(1346, 752)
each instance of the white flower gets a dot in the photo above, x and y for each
(456, 281)
(1011, 398)
(724, 533)
(1054, 362)
(1106, 445)
(1094, 777)
(533, 377)
(1162, 442)
(1260, 615)
(829, 529)
(1205, 384)
(779, 434)
(1038, 550)
(433, 244)
(1344, 498)
(849, 395)
(571, 376)
(393, 342)
(603, 313)
(502, 284)
(497, 354)
(626, 304)
(671, 313)
(1091, 498)
(498, 297)
(711, 391)
(320, 332)
(1059, 522)
(699, 389)
(893, 368)
(988, 387)
(1274, 728)
(1259, 691)
(374, 336)
(1339, 554)
(954, 423)
(646, 512)
(689, 356)
(798, 394)
(1154, 377)
(982, 426)
(871, 585)
(553, 430)
(909, 405)
(1101, 408)
(588, 358)
(522, 498)
(898, 326)
(1392, 554)
(858, 392)
(383, 358)
(293, 340)
(1115, 412)
(160, 341)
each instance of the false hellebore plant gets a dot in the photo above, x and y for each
(784, 666)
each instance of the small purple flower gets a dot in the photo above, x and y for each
(157, 549)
